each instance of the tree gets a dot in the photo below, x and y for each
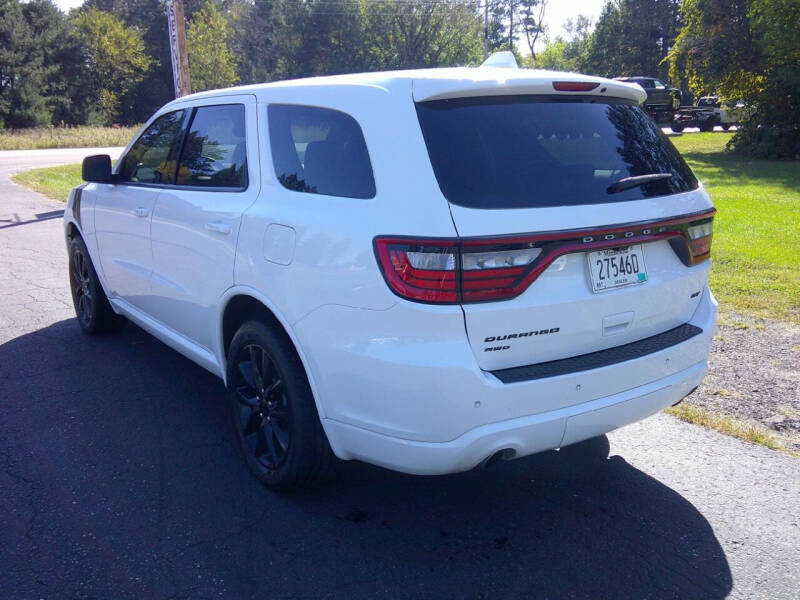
(253, 27)
(633, 37)
(566, 54)
(423, 33)
(64, 75)
(22, 71)
(116, 57)
(532, 22)
(747, 49)
(155, 88)
(319, 37)
(211, 62)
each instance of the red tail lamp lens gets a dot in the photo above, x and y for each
(574, 86)
(442, 271)
(700, 235)
(421, 270)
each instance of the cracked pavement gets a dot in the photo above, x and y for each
(119, 478)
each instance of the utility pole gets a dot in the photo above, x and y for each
(511, 27)
(486, 31)
(177, 47)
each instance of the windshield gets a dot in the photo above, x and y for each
(534, 151)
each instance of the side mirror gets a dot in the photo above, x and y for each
(97, 169)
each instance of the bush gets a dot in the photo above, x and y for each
(767, 141)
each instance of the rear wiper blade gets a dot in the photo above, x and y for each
(627, 183)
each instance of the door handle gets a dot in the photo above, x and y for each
(218, 227)
(140, 211)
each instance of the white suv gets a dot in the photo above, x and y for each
(419, 269)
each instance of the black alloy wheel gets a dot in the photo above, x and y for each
(262, 414)
(95, 315)
(273, 410)
(80, 281)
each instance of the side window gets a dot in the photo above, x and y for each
(646, 83)
(319, 151)
(214, 152)
(659, 85)
(148, 159)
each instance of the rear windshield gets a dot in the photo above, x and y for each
(534, 151)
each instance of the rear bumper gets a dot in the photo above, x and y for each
(402, 389)
(525, 435)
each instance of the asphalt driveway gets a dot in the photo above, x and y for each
(119, 478)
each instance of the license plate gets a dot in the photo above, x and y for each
(616, 267)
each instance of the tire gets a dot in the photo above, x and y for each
(274, 416)
(707, 125)
(94, 313)
(725, 126)
(676, 127)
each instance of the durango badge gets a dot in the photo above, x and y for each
(511, 336)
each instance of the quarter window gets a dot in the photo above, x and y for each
(148, 160)
(319, 151)
(214, 152)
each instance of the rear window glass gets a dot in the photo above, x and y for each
(214, 153)
(319, 151)
(525, 152)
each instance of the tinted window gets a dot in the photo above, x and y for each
(524, 151)
(148, 159)
(214, 153)
(320, 151)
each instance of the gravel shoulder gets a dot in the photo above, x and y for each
(754, 375)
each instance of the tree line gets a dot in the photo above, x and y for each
(739, 49)
(109, 60)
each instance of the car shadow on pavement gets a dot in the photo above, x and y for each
(120, 478)
(15, 221)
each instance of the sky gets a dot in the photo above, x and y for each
(558, 11)
(556, 14)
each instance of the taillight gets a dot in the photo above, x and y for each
(422, 270)
(700, 235)
(450, 270)
(494, 273)
(574, 86)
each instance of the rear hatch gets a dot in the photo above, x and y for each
(565, 250)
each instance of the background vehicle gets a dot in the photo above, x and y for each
(708, 113)
(662, 101)
(419, 269)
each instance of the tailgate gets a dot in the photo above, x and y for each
(546, 199)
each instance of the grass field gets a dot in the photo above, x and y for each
(756, 255)
(66, 137)
(53, 182)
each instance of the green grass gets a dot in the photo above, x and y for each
(85, 136)
(755, 253)
(53, 182)
(749, 432)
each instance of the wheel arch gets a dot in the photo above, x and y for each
(243, 304)
(71, 230)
